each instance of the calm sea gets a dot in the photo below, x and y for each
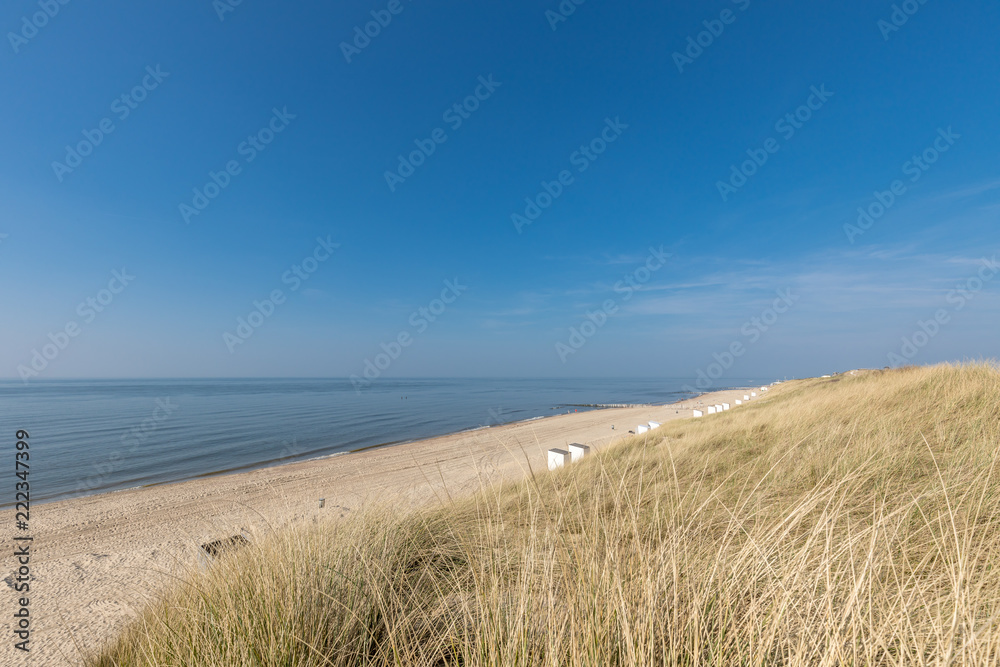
(94, 436)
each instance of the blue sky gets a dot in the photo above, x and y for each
(604, 79)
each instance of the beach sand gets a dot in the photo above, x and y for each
(97, 560)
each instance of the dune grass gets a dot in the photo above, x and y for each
(851, 520)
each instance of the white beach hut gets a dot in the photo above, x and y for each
(558, 458)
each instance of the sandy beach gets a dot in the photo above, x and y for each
(97, 560)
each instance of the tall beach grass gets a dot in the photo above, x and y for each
(852, 520)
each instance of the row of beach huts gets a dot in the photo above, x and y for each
(720, 407)
(560, 457)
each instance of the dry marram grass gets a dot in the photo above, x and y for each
(851, 520)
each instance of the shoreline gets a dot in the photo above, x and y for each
(252, 467)
(97, 559)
